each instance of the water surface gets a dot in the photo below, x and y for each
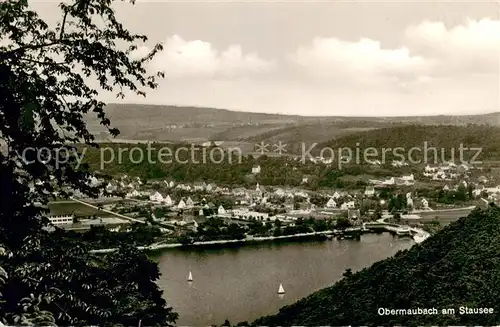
(241, 284)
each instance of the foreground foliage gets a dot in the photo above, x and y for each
(459, 266)
(46, 89)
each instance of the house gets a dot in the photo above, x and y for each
(336, 195)
(305, 180)
(221, 210)
(255, 169)
(111, 187)
(156, 197)
(61, 220)
(247, 214)
(189, 202)
(133, 194)
(390, 181)
(440, 175)
(239, 191)
(408, 177)
(279, 192)
(301, 194)
(168, 201)
(331, 203)
(370, 191)
(429, 169)
(199, 186)
(398, 164)
(425, 203)
(348, 205)
(210, 187)
(446, 188)
(181, 204)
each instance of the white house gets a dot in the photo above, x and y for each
(390, 181)
(199, 186)
(247, 214)
(61, 220)
(370, 191)
(301, 194)
(348, 205)
(440, 175)
(408, 177)
(336, 195)
(256, 170)
(189, 202)
(425, 203)
(221, 210)
(156, 197)
(331, 203)
(279, 192)
(446, 188)
(168, 200)
(133, 194)
(239, 191)
(181, 204)
(430, 169)
(210, 187)
(396, 163)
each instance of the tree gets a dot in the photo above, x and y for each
(343, 223)
(46, 92)
(347, 273)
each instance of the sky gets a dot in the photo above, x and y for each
(316, 58)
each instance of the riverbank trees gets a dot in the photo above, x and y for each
(50, 79)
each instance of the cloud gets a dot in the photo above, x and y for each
(199, 59)
(363, 60)
(472, 47)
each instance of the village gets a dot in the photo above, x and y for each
(179, 208)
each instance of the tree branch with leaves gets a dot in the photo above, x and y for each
(46, 91)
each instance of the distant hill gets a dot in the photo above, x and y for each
(459, 266)
(190, 124)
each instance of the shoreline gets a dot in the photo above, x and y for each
(419, 237)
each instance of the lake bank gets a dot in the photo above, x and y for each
(419, 237)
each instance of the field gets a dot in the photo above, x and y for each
(196, 124)
(70, 207)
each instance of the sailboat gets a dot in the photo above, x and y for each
(190, 277)
(281, 290)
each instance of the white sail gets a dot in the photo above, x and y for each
(281, 290)
(190, 277)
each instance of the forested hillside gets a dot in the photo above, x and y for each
(442, 137)
(458, 267)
